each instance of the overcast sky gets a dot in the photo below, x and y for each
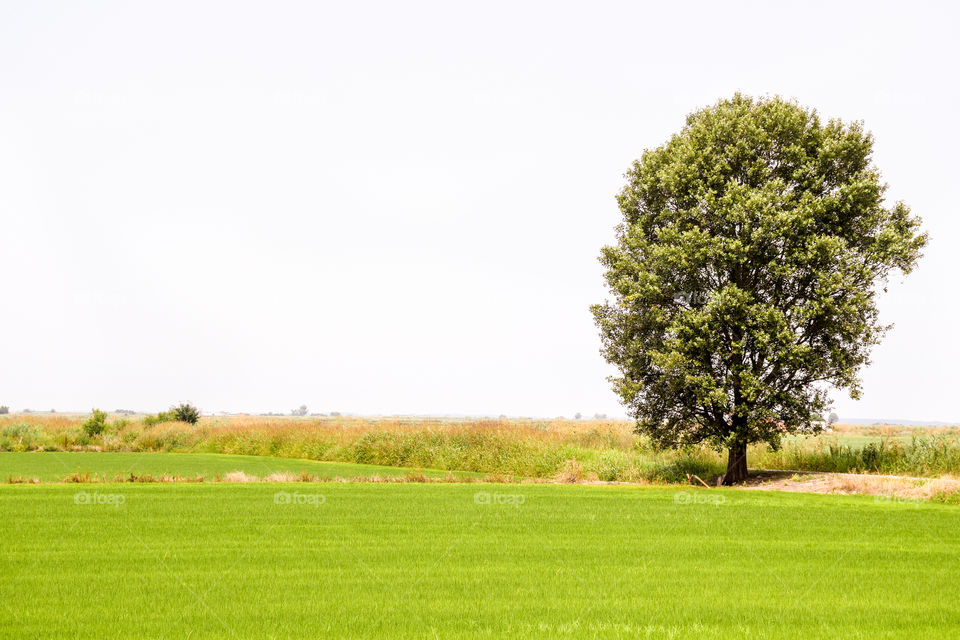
(398, 207)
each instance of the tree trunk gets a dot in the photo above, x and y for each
(736, 464)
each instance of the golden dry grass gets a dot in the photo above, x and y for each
(239, 476)
(558, 449)
(907, 488)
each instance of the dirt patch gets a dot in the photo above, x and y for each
(853, 483)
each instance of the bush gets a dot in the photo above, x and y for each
(160, 418)
(21, 437)
(610, 465)
(172, 436)
(181, 413)
(185, 412)
(675, 472)
(4, 409)
(95, 424)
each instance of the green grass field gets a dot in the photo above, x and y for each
(52, 466)
(467, 561)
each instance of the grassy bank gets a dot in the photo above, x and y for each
(602, 450)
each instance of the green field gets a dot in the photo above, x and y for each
(53, 466)
(466, 561)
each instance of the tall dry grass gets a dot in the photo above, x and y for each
(606, 450)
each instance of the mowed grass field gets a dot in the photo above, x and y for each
(50, 466)
(342, 560)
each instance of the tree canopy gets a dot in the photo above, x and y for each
(745, 275)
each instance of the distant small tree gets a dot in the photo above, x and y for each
(96, 423)
(185, 412)
(577, 416)
(301, 411)
(4, 409)
(832, 419)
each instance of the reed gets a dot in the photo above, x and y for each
(602, 450)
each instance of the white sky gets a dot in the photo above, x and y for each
(397, 207)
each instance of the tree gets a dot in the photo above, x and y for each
(96, 423)
(745, 275)
(4, 409)
(185, 412)
(301, 411)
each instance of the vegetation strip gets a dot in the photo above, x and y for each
(603, 450)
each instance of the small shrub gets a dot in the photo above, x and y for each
(169, 436)
(611, 465)
(160, 418)
(95, 424)
(676, 472)
(21, 437)
(572, 471)
(186, 412)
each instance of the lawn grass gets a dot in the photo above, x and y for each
(51, 466)
(467, 561)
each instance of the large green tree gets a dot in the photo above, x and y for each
(745, 275)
